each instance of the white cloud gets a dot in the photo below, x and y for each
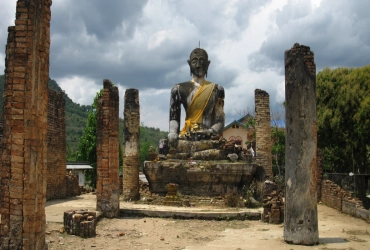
(145, 45)
(80, 89)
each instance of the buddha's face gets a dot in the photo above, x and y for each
(199, 62)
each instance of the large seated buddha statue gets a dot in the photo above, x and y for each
(203, 102)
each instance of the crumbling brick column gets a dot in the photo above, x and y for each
(107, 184)
(132, 145)
(24, 147)
(263, 132)
(56, 156)
(301, 225)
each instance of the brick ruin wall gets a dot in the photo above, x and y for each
(24, 148)
(131, 145)
(56, 139)
(319, 172)
(107, 187)
(333, 196)
(263, 132)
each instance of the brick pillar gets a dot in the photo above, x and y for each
(132, 145)
(56, 156)
(24, 147)
(301, 226)
(107, 184)
(263, 132)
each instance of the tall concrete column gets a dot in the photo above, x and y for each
(107, 184)
(300, 224)
(263, 132)
(24, 144)
(132, 145)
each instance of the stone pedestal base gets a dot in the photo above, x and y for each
(201, 178)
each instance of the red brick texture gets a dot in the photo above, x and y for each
(56, 156)
(333, 196)
(263, 132)
(132, 145)
(107, 185)
(24, 147)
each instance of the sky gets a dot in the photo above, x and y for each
(145, 44)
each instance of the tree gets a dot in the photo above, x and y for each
(343, 117)
(278, 137)
(87, 142)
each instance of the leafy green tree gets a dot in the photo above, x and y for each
(343, 117)
(278, 137)
(87, 142)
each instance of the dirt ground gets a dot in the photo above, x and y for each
(337, 231)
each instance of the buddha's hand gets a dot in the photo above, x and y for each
(173, 139)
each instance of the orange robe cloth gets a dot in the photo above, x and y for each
(194, 112)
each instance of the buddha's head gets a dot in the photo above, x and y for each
(199, 62)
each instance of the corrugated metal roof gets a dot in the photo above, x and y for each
(75, 166)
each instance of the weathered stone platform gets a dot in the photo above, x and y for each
(202, 178)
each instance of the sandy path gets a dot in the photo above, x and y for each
(337, 231)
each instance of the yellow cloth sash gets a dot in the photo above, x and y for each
(194, 112)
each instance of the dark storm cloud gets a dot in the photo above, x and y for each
(115, 40)
(337, 33)
(146, 45)
(85, 35)
(100, 18)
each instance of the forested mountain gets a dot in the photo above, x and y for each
(76, 119)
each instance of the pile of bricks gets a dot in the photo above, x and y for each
(81, 223)
(273, 204)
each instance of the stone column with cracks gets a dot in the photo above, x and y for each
(132, 145)
(263, 132)
(24, 144)
(107, 150)
(300, 224)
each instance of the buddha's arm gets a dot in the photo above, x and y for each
(175, 115)
(219, 112)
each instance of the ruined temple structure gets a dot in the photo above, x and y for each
(56, 143)
(107, 150)
(263, 132)
(300, 220)
(200, 161)
(131, 145)
(24, 144)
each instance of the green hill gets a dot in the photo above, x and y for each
(76, 115)
(76, 118)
